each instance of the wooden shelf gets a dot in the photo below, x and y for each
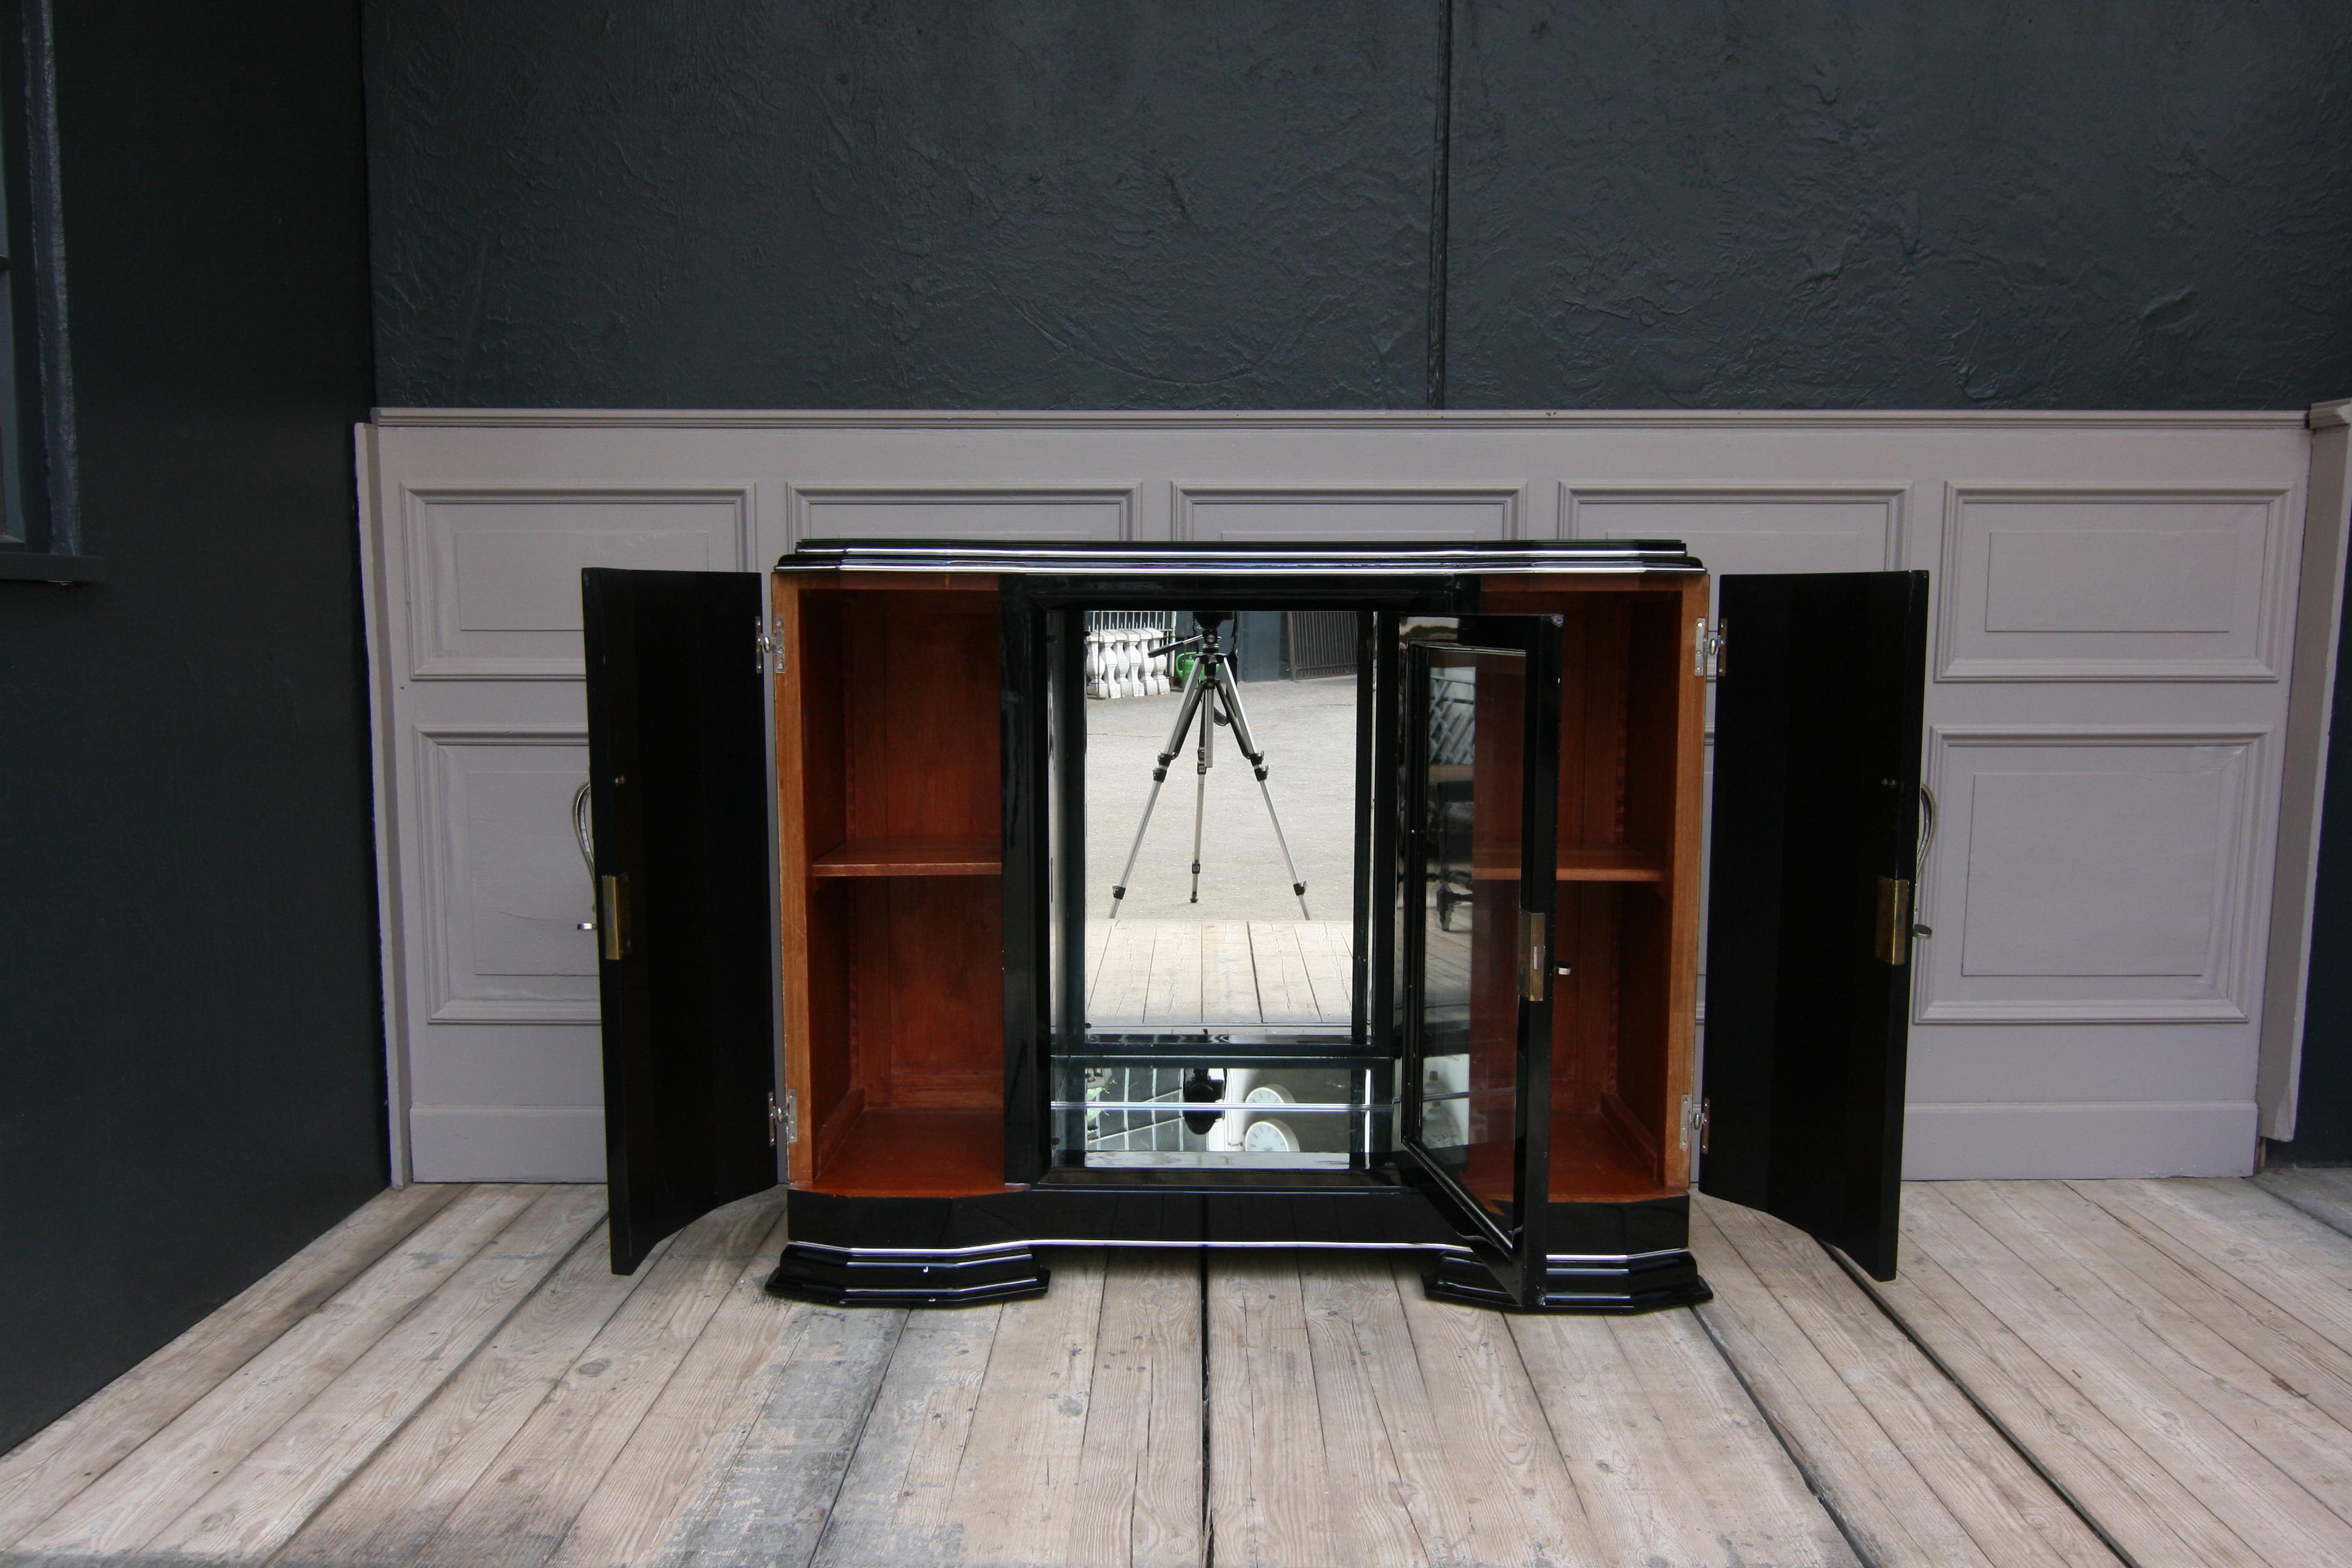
(897, 1152)
(912, 857)
(1609, 865)
(1582, 865)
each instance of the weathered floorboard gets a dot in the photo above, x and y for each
(43, 1473)
(1915, 1471)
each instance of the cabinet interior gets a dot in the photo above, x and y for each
(889, 762)
(1626, 883)
(890, 783)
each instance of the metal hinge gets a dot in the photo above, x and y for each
(769, 641)
(786, 1116)
(612, 916)
(1697, 1117)
(1891, 941)
(1706, 649)
(1533, 967)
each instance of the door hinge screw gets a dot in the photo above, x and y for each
(785, 1116)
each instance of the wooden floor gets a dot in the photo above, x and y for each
(2155, 1373)
(1218, 972)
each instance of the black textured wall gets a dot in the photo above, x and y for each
(1073, 203)
(756, 203)
(190, 1039)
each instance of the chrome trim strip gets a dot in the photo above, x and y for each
(1288, 560)
(1009, 1247)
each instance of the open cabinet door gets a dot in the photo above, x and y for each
(678, 778)
(1481, 747)
(1811, 862)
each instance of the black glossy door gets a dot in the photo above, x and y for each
(1481, 717)
(678, 781)
(1811, 863)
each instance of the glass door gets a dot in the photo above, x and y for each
(1481, 748)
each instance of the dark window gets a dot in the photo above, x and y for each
(40, 526)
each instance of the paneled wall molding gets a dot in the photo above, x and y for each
(1104, 510)
(1579, 504)
(2027, 597)
(462, 987)
(2091, 900)
(492, 550)
(1471, 511)
(2148, 759)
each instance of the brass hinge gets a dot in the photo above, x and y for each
(786, 1116)
(612, 916)
(1697, 1117)
(1534, 969)
(770, 641)
(1706, 649)
(1890, 942)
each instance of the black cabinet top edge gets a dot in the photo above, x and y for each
(1184, 557)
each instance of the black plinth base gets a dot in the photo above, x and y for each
(839, 1276)
(1640, 1284)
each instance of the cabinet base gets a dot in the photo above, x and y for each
(1613, 1284)
(846, 1277)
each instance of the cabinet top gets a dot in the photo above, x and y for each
(1161, 559)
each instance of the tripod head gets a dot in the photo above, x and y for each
(1211, 624)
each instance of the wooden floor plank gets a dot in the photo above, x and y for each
(1323, 945)
(1912, 1467)
(1379, 1512)
(259, 1504)
(43, 1473)
(2287, 1456)
(518, 1513)
(771, 1504)
(1268, 1503)
(151, 1486)
(1173, 992)
(2284, 1388)
(1139, 1477)
(894, 1503)
(2151, 1515)
(2324, 1195)
(1505, 1463)
(1228, 975)
(403, 1494)
(1285, 993)
(2276, 1521)
(1017, 1497)
(2284, 1255)
(675, 1461)
(1123, 986)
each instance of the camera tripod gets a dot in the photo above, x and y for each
(1213, 695)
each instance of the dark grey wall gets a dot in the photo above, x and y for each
(759, 202)
(1069, 203)
(190, 1043)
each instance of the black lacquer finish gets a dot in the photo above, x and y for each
(1816, 818)
(838, 1278)
(678, 777)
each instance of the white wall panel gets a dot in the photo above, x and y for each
(495, 573)
(2075, 584)
(2115, 603)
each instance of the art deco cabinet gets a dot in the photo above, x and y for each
(840, 826)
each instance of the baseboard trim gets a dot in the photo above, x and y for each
(2079, 1139)
(506, 1144)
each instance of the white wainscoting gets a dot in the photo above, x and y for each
(2116, 634)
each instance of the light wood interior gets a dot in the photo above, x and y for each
(888, 764)
(1626, 899)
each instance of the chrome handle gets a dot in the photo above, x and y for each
(582, 837)
(1926, 842)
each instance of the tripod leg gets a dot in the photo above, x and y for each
(1230, 697)
(1194, 690)
(1207, 755)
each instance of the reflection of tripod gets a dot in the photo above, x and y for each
(1211, 677)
